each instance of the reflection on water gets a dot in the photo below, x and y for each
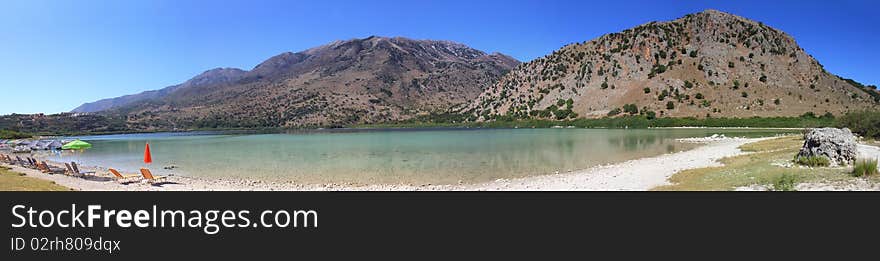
(387, 156)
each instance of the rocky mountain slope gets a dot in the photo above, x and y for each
(709, 64)
(214, 76)
(376, 79)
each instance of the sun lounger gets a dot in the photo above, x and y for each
(76, 169)
(28, 162)
(50, 169)
(71, 172)
(120, 178)
(33, 163)
(150, 178)
(40, 167)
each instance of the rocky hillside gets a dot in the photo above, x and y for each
(369, 80)
(214, 76)
(709, 64)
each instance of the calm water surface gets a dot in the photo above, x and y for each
(386, 156)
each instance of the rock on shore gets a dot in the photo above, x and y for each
(838, 145)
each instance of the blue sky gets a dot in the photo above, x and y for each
(55, 55)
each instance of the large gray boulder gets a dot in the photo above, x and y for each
(838, 145)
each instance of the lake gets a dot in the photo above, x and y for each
(409, 156)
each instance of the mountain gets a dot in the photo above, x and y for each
(214, 76)
(708, 64)
(370, 80)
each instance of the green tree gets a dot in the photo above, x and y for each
(631, 109)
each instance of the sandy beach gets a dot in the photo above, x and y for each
(639, 174)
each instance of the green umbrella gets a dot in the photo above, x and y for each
(76, 145)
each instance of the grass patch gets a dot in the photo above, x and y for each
(764, 166)
(812, 161)
(865, 167)
(13, 181)
(785, 182)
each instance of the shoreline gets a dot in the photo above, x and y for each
(638, 175)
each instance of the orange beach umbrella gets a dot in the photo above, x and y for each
(147, 157)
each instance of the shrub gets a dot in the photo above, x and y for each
(763, 78)
(631, 109)
(730, 65)
(614, 112)
(670, 105)
(650, 115)
(693, 54)
(688, 84)
(864, 123)
(785, 182)
(808, 114)
(8, 134)
(828, 115)
(865, 167)
(647, 90)
(813, 161)
(604, 85)
(745, 95)
(777, 101)
(699, 96)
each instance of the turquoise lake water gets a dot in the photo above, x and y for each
(386, 156)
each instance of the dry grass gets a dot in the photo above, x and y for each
(13, 181)
(767, 163)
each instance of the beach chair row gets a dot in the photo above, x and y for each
(31, 163)
(145, 175)
(73, 170)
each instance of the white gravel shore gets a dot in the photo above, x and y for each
(639, 174)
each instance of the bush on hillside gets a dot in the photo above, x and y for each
(11, 135)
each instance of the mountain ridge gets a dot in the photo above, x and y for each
(707, 64)
(212, 76)
(374, 79)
